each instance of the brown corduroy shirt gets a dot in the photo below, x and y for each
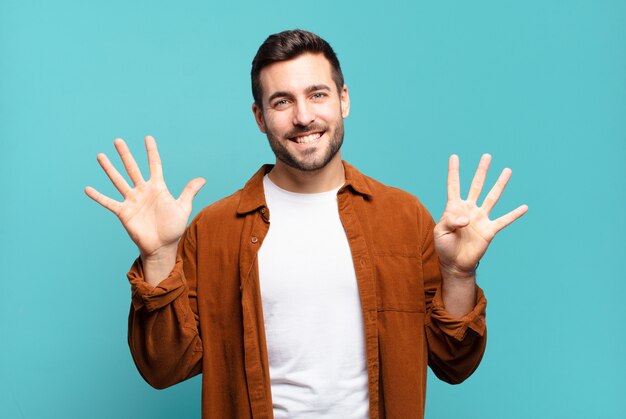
(206, 316)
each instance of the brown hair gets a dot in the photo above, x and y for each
(285, 46)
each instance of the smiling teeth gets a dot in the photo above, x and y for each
(308, 138)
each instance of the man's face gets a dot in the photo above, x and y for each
(302, 111)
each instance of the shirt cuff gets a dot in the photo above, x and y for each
(152, 298)
(457, 327)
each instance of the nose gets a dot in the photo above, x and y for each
(303, 114)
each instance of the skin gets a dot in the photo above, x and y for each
(300, 98)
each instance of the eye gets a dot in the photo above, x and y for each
(280, 103)
(319, 95)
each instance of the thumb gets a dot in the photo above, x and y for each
(449, 224)
(191, 189)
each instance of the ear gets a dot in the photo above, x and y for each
(258, 117)
(345, 102)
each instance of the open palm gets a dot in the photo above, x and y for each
(153, 218)
(464, 231)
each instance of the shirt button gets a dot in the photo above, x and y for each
(263, 210)
(254, 239)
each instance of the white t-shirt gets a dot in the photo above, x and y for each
(311, 309)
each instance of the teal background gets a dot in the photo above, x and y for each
(539, 84)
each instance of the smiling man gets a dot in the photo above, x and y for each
(314, 291)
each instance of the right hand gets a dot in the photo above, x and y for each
(153, 218)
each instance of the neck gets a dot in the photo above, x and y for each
(325, 179)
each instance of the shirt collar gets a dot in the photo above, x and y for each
(253, 194)
(356, 180)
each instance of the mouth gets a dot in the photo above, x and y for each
(307, 138)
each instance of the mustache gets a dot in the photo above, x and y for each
(305, 129)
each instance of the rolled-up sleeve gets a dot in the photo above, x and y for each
(458, 327)
(145, 296)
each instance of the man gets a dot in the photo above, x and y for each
(314, 291)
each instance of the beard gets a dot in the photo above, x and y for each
(313, 159)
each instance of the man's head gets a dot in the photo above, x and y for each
(286, 45)
(300, 99)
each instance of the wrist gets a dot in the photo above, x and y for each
(451, 272)
(162, 254)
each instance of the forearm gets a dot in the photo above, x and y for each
(162, 330)
(456, 343)
(165, 347)
(458, 292)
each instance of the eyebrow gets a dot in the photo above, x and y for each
(312, 88)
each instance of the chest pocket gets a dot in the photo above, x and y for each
(399, 279)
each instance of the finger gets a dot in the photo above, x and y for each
(108, 203)
(450, 224)
(129, 161)
(454, 191)
(118, 180)
(154, 160)
(190, 191)
(479, 178)
(494, 194)
(507, 219)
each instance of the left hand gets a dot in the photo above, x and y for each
(464, 231)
